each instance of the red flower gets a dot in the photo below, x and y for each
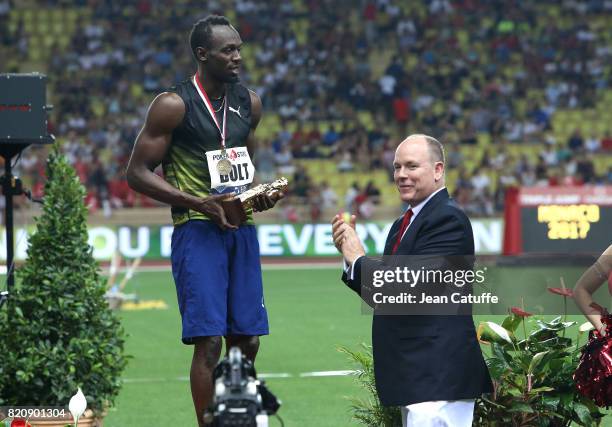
(20, 423)
(566, 292)
(520, 312)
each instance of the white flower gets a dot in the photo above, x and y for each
(500, 331)
(77, 405)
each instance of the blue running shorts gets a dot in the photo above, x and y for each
(218, 280)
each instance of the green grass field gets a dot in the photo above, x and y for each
(311, 314)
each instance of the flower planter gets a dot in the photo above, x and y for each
(87, 420)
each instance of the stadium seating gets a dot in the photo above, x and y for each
(57, 37)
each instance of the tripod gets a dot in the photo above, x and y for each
(11, 186)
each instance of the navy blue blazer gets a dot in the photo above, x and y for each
(421, 358)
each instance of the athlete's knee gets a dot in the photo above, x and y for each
(251, 345)
(207, 350)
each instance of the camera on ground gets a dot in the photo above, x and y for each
(240, 399)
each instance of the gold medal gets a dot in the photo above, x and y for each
(224, 167)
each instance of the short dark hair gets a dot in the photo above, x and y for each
(436, 150)
(201, 33)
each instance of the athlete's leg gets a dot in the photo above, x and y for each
(200, 273)
(206, 353)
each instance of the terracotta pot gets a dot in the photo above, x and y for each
(86, 420)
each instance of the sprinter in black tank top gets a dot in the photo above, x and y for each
(177, 133)
(197, 134)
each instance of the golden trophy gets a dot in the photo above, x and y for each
(236, 209)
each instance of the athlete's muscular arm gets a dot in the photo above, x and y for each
(262, 202)
(165, 114)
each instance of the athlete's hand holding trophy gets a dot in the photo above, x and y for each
(259, 198)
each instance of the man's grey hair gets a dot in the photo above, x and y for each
(436, 149)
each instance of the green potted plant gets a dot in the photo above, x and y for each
(532, 377)
(57, 331)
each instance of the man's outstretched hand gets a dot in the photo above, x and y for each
(211, 207)
(264, 201)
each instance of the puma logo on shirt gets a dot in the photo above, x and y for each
(235, 111)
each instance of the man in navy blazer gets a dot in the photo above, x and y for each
(428, 364)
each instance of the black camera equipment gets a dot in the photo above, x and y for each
(240, 399)
(23, 122)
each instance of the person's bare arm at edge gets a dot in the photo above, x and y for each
(589, 282)
(262, 202)
(165, 114)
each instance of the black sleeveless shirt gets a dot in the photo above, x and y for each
(185, 165)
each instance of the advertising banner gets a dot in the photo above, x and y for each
(152, 242)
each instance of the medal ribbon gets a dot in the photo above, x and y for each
(209, 107)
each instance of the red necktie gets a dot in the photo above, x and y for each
(403, 227)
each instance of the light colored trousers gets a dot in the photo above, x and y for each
(441, 413)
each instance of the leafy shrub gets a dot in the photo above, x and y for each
(57, 332)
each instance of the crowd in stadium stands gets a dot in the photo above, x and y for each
(452, 69)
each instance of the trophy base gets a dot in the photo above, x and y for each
(234, 212)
